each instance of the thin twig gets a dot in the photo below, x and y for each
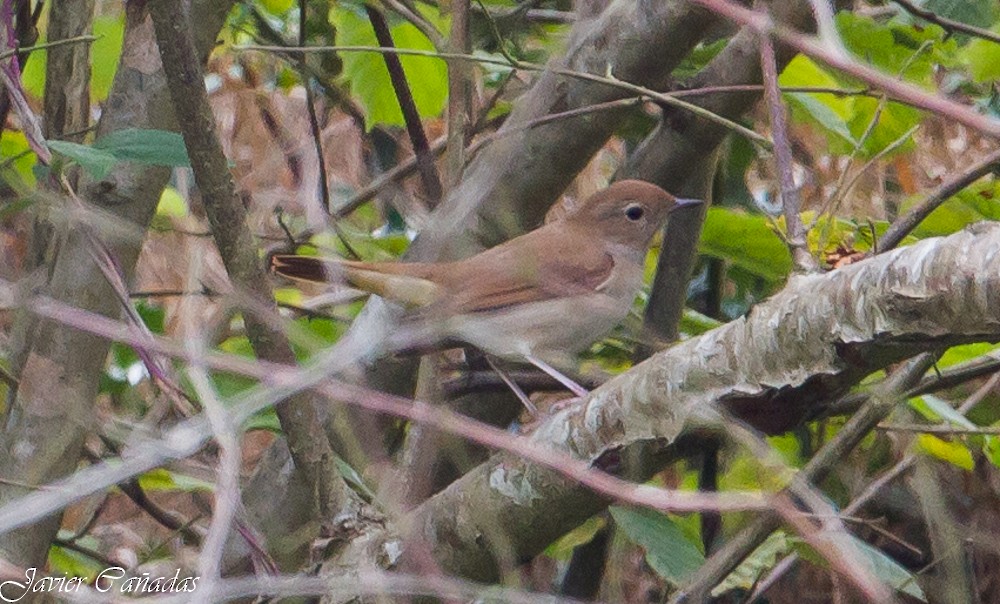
(665, 98)
(227, 489)
(407, 167)
(850, 184)
(790, 201)
(739, 88)
(317, 136)
(830, 537)
(909, 221)
(417, 20)
(314, 127)
(948, 24)
(86, 551)
(881, 403)
(894, 88)
(65, 41)
(414, 128)
(901, 467)
(160, 370)
(338, 96)
(134, 491)
(307, 442)
(946, 430)
(531, 14)
(277, 380)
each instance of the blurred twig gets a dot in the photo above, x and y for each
(901, 467)
(949, 25)
(909, 221)
(881, 403)
(896, 89)
(664, 98)
(790, 200)
(459, 93)
(26, 49)
(298, 414)
(407, 167)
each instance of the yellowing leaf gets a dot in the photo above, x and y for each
(172, 204)
(288, 295)
(277, 7)
(954, 453)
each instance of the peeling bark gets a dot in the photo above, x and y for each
(782, 363)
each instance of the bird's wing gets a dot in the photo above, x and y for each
(517, 274)
(548, 263)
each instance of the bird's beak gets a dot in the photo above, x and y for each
(685, 203)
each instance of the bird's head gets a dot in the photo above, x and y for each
(628, 212)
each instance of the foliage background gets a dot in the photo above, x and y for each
(860, 161)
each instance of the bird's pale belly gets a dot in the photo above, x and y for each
(552, 328)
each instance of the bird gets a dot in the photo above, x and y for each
(542, 297)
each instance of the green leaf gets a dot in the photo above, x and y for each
(747, 241)
(889, 571)
(700, 56)
(991, 449)
(105, 53)
(983, 60)
(980, 13)
(96, 162)
(668, 551)
(265, 419)
(15, 144)
(230, 385)
(966, 352)
(829, 111)
(694, 323)
(353, 479)
(896, 48)
(237, 345)
(172, 204)
(562, 548)
(894, 121)
(368, 78)
(968, 207)
(153, 147)
(277, 7)
(71, 563)
(763, 559)
(821, 112)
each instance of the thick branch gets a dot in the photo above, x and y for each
(679, 156)
(299, 415)
(67, 105)
(776, 367)
(510, 184)
(61, 374)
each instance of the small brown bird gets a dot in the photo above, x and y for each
(542, 297)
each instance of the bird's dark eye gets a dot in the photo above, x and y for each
(634, 212)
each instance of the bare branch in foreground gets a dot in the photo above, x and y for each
(767, 371)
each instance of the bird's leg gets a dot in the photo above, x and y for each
(558, 376)
(513, 386)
